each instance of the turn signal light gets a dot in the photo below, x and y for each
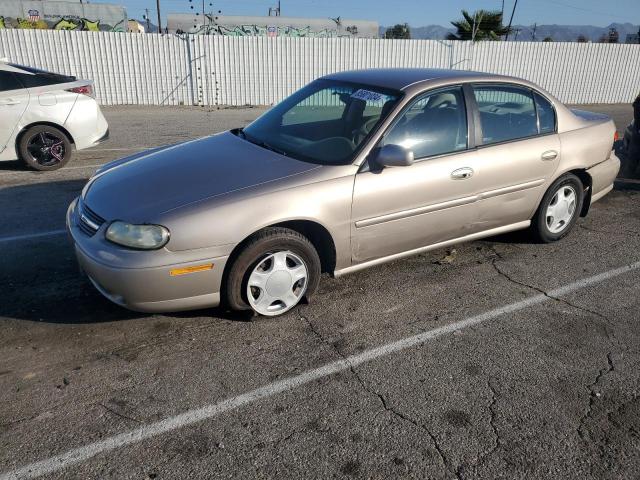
(195, 268)
(616, 136)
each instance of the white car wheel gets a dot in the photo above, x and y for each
(277, 283)
(561, 209)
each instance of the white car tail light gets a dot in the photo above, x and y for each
(84, 90)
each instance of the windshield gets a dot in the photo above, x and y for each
(326, 122)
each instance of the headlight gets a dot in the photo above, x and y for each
(143, 237)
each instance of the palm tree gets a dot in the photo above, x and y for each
(482, 25)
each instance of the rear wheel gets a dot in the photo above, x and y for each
(275, 270)
(559, 209)
(43, 147)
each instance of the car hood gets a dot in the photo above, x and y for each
(141, 188)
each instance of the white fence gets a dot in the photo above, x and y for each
(216, 70)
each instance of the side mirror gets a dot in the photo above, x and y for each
(394, 156)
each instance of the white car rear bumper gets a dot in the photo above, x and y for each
(86, 124)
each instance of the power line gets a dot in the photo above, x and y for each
(575, 7)
(562, 4)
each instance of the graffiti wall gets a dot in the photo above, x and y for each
(241, 26)
(51, 15)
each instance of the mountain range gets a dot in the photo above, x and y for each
(559, 33)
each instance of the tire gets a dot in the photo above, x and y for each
(45, 148)
(546, 227)
(270, 251)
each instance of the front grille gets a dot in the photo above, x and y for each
(90, 221)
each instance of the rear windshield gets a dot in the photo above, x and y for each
(33, 77)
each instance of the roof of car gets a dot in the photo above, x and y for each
(400, 78)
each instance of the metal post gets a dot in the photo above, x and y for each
(511, 19)
(159, 21)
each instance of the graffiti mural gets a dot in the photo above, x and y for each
(266, 31)
(240, 26)
(52, 15)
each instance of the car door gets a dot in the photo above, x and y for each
(13, 103)
(398, 209)
(518, 150)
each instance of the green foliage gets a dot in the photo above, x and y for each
(481, 25)
(548, 39)
(398, 31)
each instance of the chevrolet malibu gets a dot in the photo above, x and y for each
(355, 169)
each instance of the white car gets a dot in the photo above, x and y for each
(44, 116)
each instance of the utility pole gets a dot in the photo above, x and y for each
(275, 10)
(146, 17)
(511, 19)
(159, 21)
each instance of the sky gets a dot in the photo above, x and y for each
(415, 12)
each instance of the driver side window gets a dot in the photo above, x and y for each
(434, 124)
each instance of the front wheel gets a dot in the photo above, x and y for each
(43, 147)
(275, 270)
(559, 209)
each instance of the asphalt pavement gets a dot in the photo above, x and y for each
(494, 359)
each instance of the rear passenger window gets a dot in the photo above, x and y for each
(546, 114)
(41, 79)
(9, 82)
(34, 77)
(506, 113)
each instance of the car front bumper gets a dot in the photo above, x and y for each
(142, 280)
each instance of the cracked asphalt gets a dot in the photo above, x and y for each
(548, 391)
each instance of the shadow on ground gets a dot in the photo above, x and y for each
(15, 166)
(83, 304)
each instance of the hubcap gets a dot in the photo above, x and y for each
(46, 148)
(561, 209)
(277, 283)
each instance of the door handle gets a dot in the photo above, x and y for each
(10, 101)
(462, 173)
(549, 155)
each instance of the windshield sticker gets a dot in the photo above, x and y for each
(367, 95)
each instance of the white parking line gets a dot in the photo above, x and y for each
(53, 172)
(29, 236)
(124, 149)
(76, 167)
(190, 417)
